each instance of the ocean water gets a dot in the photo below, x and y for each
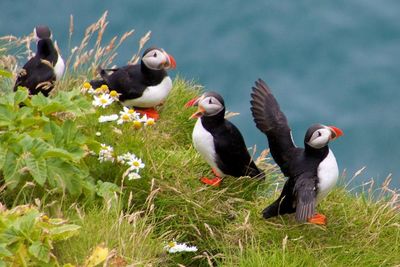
(333, 62)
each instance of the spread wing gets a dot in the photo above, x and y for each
(305, 190)
(233, 156)
(273, 123)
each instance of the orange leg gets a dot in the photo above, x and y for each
(150, 112)
(213, 182)
(318, 218)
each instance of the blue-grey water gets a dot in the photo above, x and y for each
(335, 62)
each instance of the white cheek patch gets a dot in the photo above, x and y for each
(320, 141)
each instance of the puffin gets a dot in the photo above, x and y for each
(144, 85)
(47, 66)
(312, 171)
(219, 142)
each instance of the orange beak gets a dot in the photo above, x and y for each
(191, 102)
(198, 113)
(336, 132)
(172, 62)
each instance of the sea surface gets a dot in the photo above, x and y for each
(334, 62)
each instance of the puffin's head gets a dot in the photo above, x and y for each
(209, 104)
(41, 32)
(158, 59)
(318, 135)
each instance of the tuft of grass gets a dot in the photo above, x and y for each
(224, 223)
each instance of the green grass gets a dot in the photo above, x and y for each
(224, 223)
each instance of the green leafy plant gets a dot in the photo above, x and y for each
(27, 236)
(40, 142)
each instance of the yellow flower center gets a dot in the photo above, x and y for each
(171, 244)
(103, 101)
(98, 91)
(104, 88)
(150, 122)
(131, 111)
(113, 93)
(137, 124)
(136, 163)
(86, 85)
(125, 117)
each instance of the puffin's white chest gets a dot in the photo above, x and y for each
(152, 95)
(328, 173)
(59, 68)
(203, 141)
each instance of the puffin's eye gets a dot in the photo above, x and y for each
(319, 134)
(155, 54)
(210, 101)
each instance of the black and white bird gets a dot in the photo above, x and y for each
(42, 70)
(219, 141)
(145, 85)
(312, 171)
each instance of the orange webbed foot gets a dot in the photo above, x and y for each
(149, 112)
(318, 218)
(213, 182)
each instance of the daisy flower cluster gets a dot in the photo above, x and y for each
(175, 247)
(106, 153)
(103, 97)
(135, 165)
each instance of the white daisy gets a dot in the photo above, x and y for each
(106, 118)
(135, 164)
(114, 95)
(103, 100)
(127, 115)
(106, 153)
(175, 247)
(98, 133)
(86, 87)
(124, 158)
(149, 122)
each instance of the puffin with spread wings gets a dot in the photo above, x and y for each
(312, 171)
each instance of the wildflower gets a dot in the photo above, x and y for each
(102, 101)
(149, 122)
(98, 133)
(174, 247)
(137, 124)
(86, 88)
(114, 95)
(127, 115)
(104, 88)
(135, 164)
(106, 153)
(106, 118)
(127, 157)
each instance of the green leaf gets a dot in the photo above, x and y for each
(5, 73)
(37, 168)
(40, 251)
(39, 100)
(20, 96)
(106, 190)
(12, 169)
(53, 107)
(60, 153)
(64, 231)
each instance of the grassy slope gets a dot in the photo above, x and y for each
(225, 223)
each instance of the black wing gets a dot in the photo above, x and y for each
(233, 156)
(305, 190)
(270, 120)
(127, 81)
(37, 75)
